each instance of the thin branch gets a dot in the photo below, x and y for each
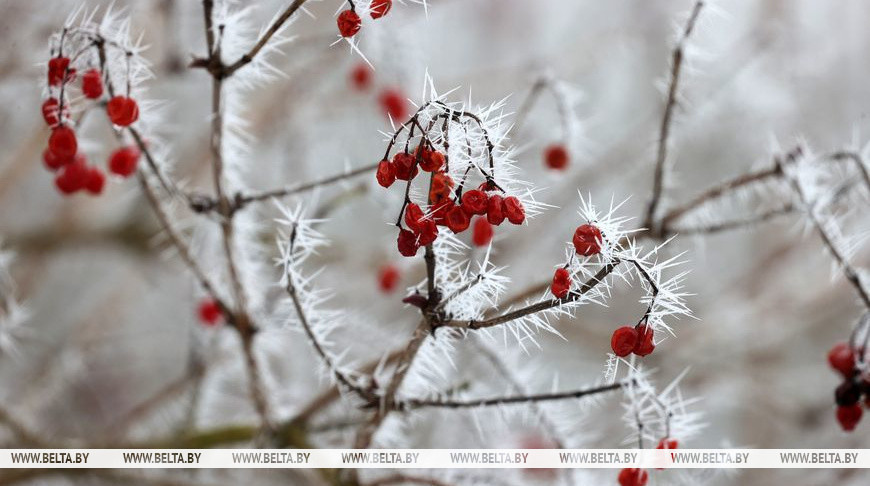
(489, 402)
(273, 29)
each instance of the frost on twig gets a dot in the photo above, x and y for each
(13, 316)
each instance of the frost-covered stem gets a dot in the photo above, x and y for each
(406, 479)
(490, 402)
(842, 261)
(528, 103)
(540, 306)
(261, 43)
(739, 223)
(667, 118)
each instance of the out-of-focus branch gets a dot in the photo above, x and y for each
(489, 402)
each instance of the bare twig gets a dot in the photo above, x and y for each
(489, 402)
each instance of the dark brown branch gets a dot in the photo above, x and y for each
(489, 402)
(273, 29)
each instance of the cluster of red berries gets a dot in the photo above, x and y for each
(848, 395)
(637, 340)
(556, 157)
(209, 312)
(349, 21)
(490, 208)
(587, 242)
(62, 154)
(391, 100)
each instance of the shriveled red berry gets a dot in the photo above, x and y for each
(407, 243)
(405, 166)
(474, 202)
(432, 160)
(57, 67)
(633, 477)
(388, 278)
(62, 142)
(92, 84)
(124, 160)
(556, 157)
(122, 111)
(561, 283)
(623, 341)
(50, 112)
(427, 232)
(849, 416)
(413, 215)
(482, 232)
(667, 444)
(457, 219)
(587, 240)
(96, 181)
(513, 210)
(842, 359)
(361, 76)
(386, 173)
(209, 312)
(348, 23)
(441, 187)
(379, 8)
(394, 104)
(495, 209)
(645, 344)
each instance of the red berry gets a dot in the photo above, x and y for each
(432, 160)
(587, 240)
(633, 477)
(388, 277)
(842, 358)
(209, 312)
(441, 209)
(495, 210)
(348, 23)
(92, 84)
(667, 444)
(379, 8)
(474, 202)
(441, 187)
(386, 173)
(482, 232)
(623, 341)
(645, 344)
(52, 161)
(124, 160)
(63, 143)
(457, 220)
(513, 210)
(427, 232)
(122, 111)
(57, 66)
(561, 283)
(413, 215)
(96, 181)
(849, 416)
(361, 76)
(394, 104)
(50, 112)
(407, 243)
(405, 166)
(73, 177)
(556, 157)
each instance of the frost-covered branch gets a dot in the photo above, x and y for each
(498, 401)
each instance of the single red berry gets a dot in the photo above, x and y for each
(413, 215)
(667, 444)
(482, 232)
(474, 202)
(408, 243)
(50, 112)
(427, 232)
(361, 76)
(495, 210)
(348, 23)
(432, 160)
(57, 67)
(63, 143)
(556, 157)
(457, 219)
(96, 181)
(441, 209)
(587, 240)
(487, 186)
(633, 477)
(379, 8)
(92, 84)
(441, 187)
(842, 358)
(122, 111)
(394, 104)
(513, 210)
(52, 161)
(561, 283)
(386, 173)
(209, 312)
(849, 416)
(623, 341)
(405, 166)
(388, 277)
(124, 160)
(645, 344)
(73, 177)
